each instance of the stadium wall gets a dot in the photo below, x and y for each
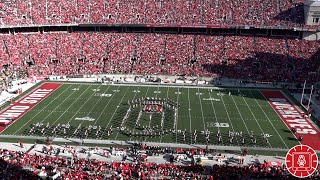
(146, 28)
(312, 12)
(311, 36)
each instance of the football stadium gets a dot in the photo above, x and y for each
(160, 89)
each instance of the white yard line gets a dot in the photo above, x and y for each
(95, 104)
(185, 86)
(190, 116)
(228, 115)
(82, 112)
(54, 110)
(135, 94)
(117, 108)
(102, 112)
(176, 128)
(204, 125)
(255, 117)
(268, 119)
(132, 98)
(215, 115)
(135, 125)
(151, 113)
(162, 126)
(71, 105)
(235, 104)
(42, 109)
(79, 108)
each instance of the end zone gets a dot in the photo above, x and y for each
(22, 106)
(293, 118)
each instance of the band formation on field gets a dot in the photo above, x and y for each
(185, 115)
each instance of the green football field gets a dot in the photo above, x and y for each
(163, 114)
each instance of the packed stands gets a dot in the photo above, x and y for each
(49, 163)
(285, 13)
(257, 58)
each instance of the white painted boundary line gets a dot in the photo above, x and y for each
(269, 119)
(255, 118)
(82, 112)
(175, 86)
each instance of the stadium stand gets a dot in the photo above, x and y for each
(49, 164)
(285, 13)
(258, 58)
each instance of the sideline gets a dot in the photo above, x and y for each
(128, 143)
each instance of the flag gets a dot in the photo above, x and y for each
(310, 98)
(274, 163)
(304, 86)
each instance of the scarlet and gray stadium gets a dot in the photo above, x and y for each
(159, 89)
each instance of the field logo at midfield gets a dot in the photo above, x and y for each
(301, 161)
(85, 119)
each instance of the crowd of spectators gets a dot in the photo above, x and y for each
(24, 165)
(257, 58)
(286, 13)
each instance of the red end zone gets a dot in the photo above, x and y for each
(22, 106)
(292, 117)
